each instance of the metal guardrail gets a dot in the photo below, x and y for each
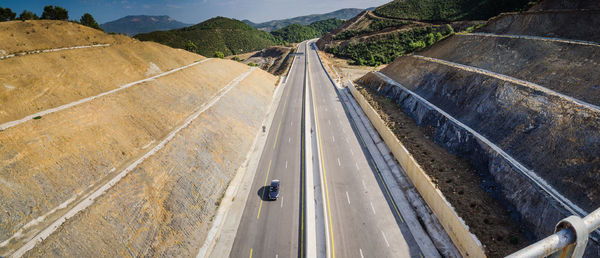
(569, 240)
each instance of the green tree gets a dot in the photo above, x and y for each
(429, 39)
(88, 20)
(219, 54)
(449, 29)
(6, 14)
(55, 13)
(27, 15)
(190, 46)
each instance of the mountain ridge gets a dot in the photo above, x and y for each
(343, 14)
(135, 24)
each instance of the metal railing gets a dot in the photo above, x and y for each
(569, 240)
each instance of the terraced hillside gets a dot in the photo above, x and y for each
(123, 148)
(519, 99)
(369, 39)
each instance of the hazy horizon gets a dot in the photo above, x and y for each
(192, 11)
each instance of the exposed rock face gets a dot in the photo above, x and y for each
(537, 210)
(535, 99)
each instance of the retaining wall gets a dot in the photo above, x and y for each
(467, 243)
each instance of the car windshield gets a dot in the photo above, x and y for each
(273, 188)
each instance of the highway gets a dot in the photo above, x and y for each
(361, 219)
(356, 217)
(271, 228)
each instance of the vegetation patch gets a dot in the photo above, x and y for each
(375, 25)
(221, 34)
(298, 33)
(385, 49)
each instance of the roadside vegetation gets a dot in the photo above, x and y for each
(50, 12)
(386, 48)
(376, 25)
(450, 10)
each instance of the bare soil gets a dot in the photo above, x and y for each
(456, 178)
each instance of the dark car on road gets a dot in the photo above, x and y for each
(274, 190)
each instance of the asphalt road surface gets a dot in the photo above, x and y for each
(360, 219)
(272, 228)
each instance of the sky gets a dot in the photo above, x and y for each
(192, 11)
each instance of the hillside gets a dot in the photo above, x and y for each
(448, 10)
(136, 24)
(298, 33)
(517, 101)
(114, 147)
(221, 34)
(401, 27)
(342, 14)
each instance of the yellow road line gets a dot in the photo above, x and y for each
(277, 135)
(250, 252)
(387, 191)
(265, 185)
(323, 169)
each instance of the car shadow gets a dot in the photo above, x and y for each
(263, 193)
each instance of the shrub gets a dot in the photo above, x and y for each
(6, 14)
(55, 13)
(190, 46)
(27, 15)
(88, 20)
(429, 39)
(252, 64)
(219, 54)
(235, 58)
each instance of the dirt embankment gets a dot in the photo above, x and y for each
(275, 60)
(567, 68)
(513, 130)
(165, 205)
(567, 24)
(31, 83)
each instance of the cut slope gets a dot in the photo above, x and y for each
(567, 24)
(50, 165)
(36, 82)
(448, 10)
(523, 110)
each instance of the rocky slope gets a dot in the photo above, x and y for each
(136, 170)
(522, 109)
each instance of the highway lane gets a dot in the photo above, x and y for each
(271, 228)
(363, 222)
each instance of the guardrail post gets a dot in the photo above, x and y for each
(576, 249)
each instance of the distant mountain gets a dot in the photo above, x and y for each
(225, 35)
(136, 24)
(343, 14)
